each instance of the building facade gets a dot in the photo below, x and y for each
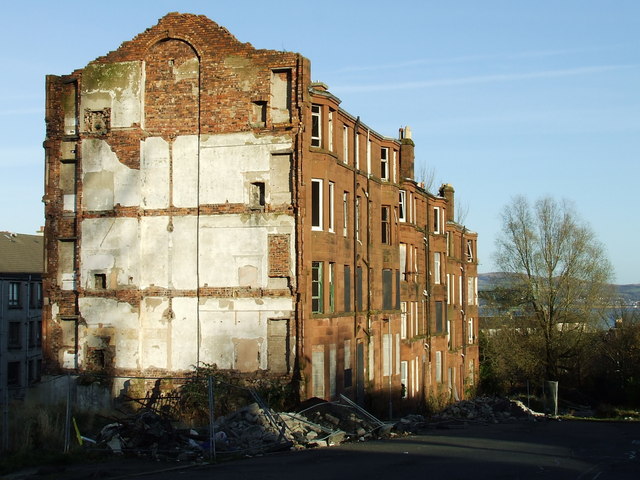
(207, 203)
(20, 312)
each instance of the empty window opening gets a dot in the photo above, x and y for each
(316, 204)
(258, 114)
(100, 281)
(257, 195)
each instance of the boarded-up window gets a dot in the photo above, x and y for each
(359, 288)
(348, 376)
(439, 318)
(66, 263)
(332, 370)
(317, 370)
(281, 96)
(278, 347)
(68, 186)
(387, 289)
(347, 288)
(397, 289)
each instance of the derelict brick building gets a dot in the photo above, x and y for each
(206, 202)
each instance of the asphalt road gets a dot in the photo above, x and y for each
(547, 449)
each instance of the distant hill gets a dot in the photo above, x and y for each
(488, 281)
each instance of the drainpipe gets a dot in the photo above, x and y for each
(356, 221)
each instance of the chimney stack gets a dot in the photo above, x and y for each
(406, 153)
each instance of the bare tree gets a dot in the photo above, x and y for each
(462, 210)
(560, 272)
(426, 176)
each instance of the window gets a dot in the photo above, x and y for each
(14, 294)
(384, 164)
(449, 336)
(460, 301)
(402, 206)
(386, 355)
(471, 297)
(356, 149)
(385, 218)
(403, 320)
(357, 219)
(448, 289)
(403, 261)
(395, 166)
(397, 289)
(316, 126)
(316, 287)
(345, 213)
(470, 251)
(331, 206)
(13, 373)
(436, 219)
(403, 379)
(345, 144)
(36, 295)
(347, 288)
(330, 130)
(436, 268)
(470, 332)
(332, 283)
(387, 289)
(368, 155)
(14, 335)
(316, 204)
(439, 366)
(439, 318)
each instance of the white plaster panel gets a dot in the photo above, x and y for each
(154, 252)
(154, 172)
(123, 317)
(118, 86)
(225, 161)
(106, 181)
(185, 171)
(155, 329)
(184, 334)
(114, 242)
(184, 253)
(224, 250)
(227, 322)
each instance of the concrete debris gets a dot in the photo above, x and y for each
(484, 410)
(147, 433)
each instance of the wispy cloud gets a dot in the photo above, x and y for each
(477, 79)
(468, 59)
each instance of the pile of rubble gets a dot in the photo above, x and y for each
(149, 433)
(250, 430)
(257, 429)
(483, 410)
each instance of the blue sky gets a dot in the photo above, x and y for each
(533, 97)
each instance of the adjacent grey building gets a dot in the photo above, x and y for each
(21, 260)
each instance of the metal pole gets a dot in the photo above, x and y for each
(212, 431)
(390, 348)
(67, 420)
